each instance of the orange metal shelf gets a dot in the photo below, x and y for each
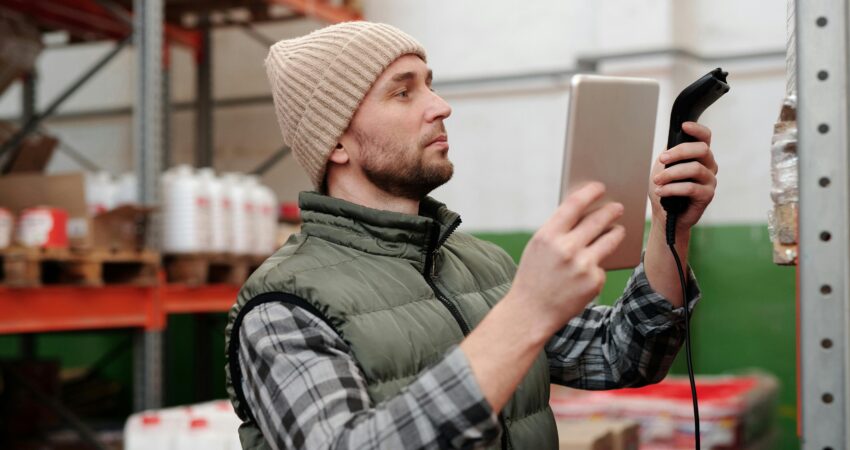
(187, 299)
(63, 308)
(67, 308)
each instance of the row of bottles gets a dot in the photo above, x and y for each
(202, 212)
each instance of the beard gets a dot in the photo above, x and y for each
(401, 169)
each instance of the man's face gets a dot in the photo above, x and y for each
(397, 137)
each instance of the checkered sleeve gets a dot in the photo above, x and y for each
(630, 344)
(305, 390)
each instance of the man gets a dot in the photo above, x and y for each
(381, 326)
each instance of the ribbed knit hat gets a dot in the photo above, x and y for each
(319, 80)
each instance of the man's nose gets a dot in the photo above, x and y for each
(438, 109)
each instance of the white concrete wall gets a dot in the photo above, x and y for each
(506, 137)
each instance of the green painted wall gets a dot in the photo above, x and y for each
(745, 320)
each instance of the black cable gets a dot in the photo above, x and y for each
(671, 242)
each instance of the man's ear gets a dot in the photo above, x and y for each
(339, 155)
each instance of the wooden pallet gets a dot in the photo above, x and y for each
(32, 267)
(209, 268)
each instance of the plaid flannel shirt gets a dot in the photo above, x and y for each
(305, 390)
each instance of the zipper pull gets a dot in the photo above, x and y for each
(433, 271)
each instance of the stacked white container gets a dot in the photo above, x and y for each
(214, 189)
(255, 214)
(204, 213)
(154, 429)
(269, 228)
(240, 210)
(184, 212)
(211, 425)
(126, 189)
(100, 192)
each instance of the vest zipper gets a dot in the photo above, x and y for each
(430, 274)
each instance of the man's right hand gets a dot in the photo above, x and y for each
(558, 276)
(559, 272)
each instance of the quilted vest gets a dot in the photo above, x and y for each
(401, 290)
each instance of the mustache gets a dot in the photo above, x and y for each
(440, 130)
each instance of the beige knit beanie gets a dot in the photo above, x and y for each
(319, 80)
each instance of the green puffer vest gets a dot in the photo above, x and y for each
(400, 290)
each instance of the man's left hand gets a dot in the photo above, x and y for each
(702, 171)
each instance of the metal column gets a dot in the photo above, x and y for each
(28, 97)
(147, 129)
(822, 121)
(28, 111)
(166, 110)
(203, 98)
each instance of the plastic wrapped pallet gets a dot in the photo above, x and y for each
(735, 411)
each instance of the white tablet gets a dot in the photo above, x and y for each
(610, 133)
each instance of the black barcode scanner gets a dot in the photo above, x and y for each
(689, 105)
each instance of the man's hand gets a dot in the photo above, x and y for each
(702, 171)
(558, 276)
(659, 264)
(559, 272)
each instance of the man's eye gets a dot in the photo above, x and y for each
(402, 94)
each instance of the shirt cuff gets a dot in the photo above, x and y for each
(650, 312)
(458, 407)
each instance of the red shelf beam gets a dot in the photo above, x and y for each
(177, 299)
(64, 308)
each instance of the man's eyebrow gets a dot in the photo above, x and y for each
(404, 76)
(407, 76)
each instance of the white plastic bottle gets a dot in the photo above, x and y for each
(239, 225)
(126, 190)
(151, 429)
(226, 215)
(214, 189)
(100, 192)
(209, 198)
(256, 199)
(181, 212)
(200, 433)
(270, 220)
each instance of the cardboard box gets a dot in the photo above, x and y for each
(34, 151)
(122, 228)
(584, 435)
(624, 434)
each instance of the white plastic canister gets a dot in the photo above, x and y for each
(214, 190)
(269, 232)
(126, 189)
(239, 213)
(254, 206)
(182, 212)
(100, 192)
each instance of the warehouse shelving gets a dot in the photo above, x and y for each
(148, 25)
